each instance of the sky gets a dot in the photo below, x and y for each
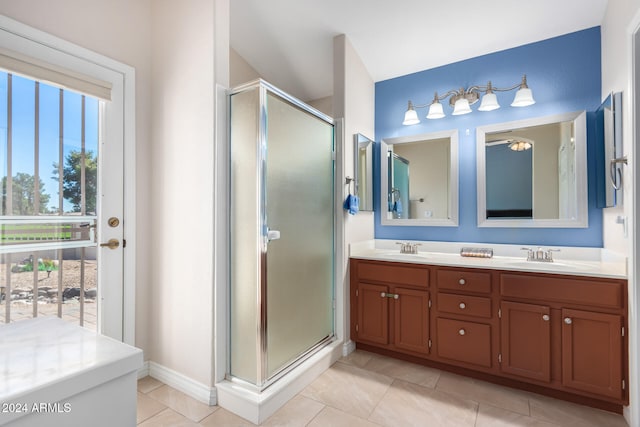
(23, 130)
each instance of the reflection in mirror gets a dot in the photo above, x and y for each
(608, 149)
(363, 147)
(419, 179)
(532, 173)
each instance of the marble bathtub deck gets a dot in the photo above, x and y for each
(365, 389)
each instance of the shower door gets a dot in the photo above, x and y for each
(282, 227)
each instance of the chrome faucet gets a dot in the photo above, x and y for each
(539, 254)
(408, 247)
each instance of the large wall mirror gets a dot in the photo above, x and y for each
(419, 179)
(363, 149)
(533, 173)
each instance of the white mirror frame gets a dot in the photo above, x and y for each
(452, 221)
(580, 125)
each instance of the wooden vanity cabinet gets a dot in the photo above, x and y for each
(556, 334)
(588, 315)
(464, 324)
(392, 305)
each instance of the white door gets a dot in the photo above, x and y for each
(61, 217)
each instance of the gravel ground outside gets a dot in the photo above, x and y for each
(22, 285)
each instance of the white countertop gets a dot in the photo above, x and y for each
(592, 262)
(47, 359)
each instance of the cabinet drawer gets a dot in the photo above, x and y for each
(599, 293)
(464, 280)
(464, 304)
(393, 273)
(464, 341)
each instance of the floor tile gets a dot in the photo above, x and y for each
(402, 370)
(569, 414)
(181, 403)
(484, 392)
(358, 358)
(490, 416)
(167, 418)
(336, 418)
(406, 404)
(148, 407)
(296, 412)
(349, 388)
(147, 384)
(222, 417)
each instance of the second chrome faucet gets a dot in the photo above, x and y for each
(539, 254)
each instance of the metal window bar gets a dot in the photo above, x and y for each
(26, 234)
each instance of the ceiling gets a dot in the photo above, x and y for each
(290, 42)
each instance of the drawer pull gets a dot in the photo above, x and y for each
(388, 295)
(545, 317)
(462, 306)
(461, 332)
(462, 281)
(568, 320)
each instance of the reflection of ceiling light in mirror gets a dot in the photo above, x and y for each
(521, 144)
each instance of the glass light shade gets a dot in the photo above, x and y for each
(435, 111)
(411, 117)
(461, 107)
(489, 102)
(523, 98)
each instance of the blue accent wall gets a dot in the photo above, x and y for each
(564, 75)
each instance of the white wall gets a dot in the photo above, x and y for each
(616, 76)
(240, 71)
(182, 184)
(102, 27)
(353, 100)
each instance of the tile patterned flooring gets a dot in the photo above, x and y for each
(366, 389)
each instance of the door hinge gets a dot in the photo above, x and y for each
(333, 303)
(623, 385)
(500, 313)
(356, 327)
(124, 243)
(333, 155)
(429, 303)
(499, 357)
(429, 343)
(623, 331)
(356, 292)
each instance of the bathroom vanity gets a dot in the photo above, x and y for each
(552, 328)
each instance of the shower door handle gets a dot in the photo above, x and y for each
(273, 235)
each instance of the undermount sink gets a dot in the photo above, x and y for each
(555, 265)
(399, 255)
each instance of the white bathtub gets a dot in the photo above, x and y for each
(53, 373)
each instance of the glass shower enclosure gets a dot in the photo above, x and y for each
(281, 233)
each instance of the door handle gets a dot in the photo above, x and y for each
(111, 244)
(273, 235)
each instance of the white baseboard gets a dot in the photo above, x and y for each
(180, 382)
(257, 407)
(144, 370)
(348, 348)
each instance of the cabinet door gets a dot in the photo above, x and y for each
(373, 313)
(411, 320)
(525, 339)
(591, 352)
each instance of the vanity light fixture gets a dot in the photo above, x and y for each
(462, 99)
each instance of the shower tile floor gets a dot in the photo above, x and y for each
(366, 389)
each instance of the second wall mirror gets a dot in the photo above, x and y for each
(419, 180)
(533, 173)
